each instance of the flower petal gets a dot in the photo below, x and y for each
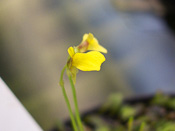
(90, 61)
(71, 51)
(93, 43)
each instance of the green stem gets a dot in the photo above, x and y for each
(142, 126)
(76, 104)
(130, 123)
(67, 100)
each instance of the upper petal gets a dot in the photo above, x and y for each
(93, 43)
(71, 51)
(90, 61)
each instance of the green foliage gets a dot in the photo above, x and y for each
(171, 103)
(126, 112)
(103, 128)
(160, 99)
(142, 126)
(166, 126)
(95, 120)
(130, 123)
(113, 103)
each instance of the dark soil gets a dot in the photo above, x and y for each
(150, 113)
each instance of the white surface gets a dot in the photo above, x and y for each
(13, 116)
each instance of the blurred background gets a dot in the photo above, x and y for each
(35, 35)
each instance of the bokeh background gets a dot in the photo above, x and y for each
(35, 35)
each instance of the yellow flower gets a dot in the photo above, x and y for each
(90, 61)
(89, 42)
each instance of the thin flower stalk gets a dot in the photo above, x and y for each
(77, 114)
(67, 100)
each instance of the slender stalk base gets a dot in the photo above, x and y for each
(76, 104)
(67, 101)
